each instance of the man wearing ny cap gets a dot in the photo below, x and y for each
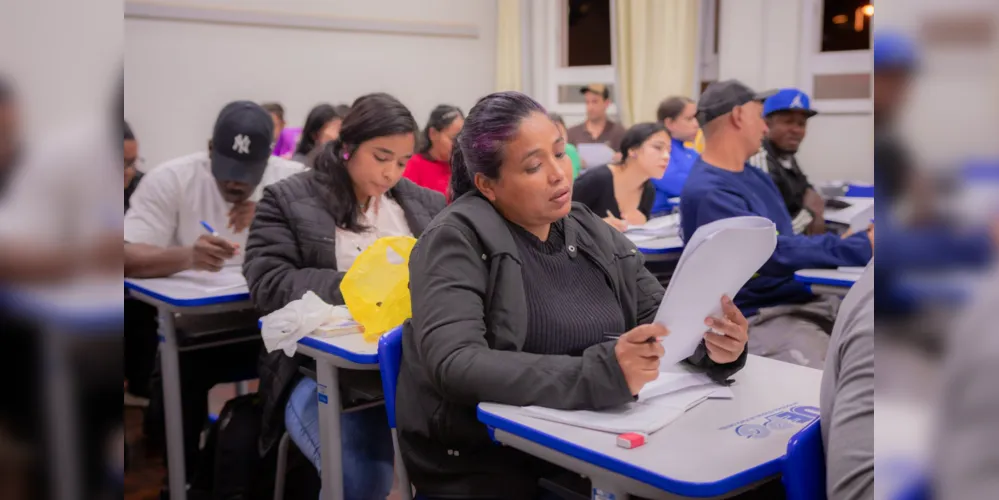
(163, 231)
(787, 322)
(164, 235)
(787, 113)
(597, 128)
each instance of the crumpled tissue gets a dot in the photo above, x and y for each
(282, 329)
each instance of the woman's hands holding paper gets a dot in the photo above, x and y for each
(638, 355)
(728, 336)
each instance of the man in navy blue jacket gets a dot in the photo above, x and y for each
(787, 321)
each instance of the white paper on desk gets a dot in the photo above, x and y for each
(642, 416)
(226, 279)
(718, 260)
(595, 154)
(851, 269)
(667, 225)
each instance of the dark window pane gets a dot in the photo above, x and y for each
(589, 33)
(846, 25)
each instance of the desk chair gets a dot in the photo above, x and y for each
(804, 475)
(389, 361)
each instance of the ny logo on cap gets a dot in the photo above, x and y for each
(241, 144)
(796, 102)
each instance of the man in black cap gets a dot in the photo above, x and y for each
(164, 235)
(786, 321)
(163, 230)
(597, 128)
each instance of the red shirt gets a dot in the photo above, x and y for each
(428, 173)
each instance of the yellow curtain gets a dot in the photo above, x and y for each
(656, 54)
(508, 58)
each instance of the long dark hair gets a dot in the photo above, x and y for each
(637, 135)
(490, 124)
(318, 117)
(371, 116)
(440, 118)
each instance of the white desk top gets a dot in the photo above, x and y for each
(351, 347)
(195, 288)
(830, 277)
(716, 447)
(88, 303)
(858, 215)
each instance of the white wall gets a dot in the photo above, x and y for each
(179, 74)
(953, 111)
(760, 43)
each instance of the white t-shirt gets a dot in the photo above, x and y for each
(68, 192)
(167, 208)
(384, 218)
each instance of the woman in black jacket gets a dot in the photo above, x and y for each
(307, 232)
(515, 290)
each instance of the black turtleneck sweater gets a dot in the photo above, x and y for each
(570, 303)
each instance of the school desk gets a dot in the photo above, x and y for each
(349, 352)
(717, 449)
(187, 293)
(827, 281)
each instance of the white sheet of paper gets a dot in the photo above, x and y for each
(595, 154)
(718, 260)
(667, 225)
(645, 417)
(852, 269)
(669, 382)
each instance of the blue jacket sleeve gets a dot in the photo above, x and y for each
(793, 252)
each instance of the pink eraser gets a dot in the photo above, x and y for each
(630, 440)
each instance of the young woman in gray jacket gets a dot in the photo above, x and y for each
(307, 232)
(516, 291)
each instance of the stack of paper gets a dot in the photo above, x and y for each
(667, 225)
(718, 260)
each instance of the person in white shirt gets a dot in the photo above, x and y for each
(164, 235)
(163, 230)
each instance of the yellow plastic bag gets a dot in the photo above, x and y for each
(376, 287)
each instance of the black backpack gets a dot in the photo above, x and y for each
(230, 465)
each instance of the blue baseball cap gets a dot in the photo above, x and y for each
(894, 50)
(789, 100)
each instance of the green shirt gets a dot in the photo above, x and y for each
(574, 156)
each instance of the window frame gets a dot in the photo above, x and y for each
(813, 62)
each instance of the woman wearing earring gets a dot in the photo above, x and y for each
(306, 234)
(622, 193)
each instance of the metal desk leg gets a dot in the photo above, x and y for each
(606, 491)
(62, 408)
(170, 366)
(327, 379)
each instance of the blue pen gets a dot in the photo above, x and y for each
(209, 228)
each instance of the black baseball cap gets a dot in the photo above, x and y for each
(721, 97)
(241, 143)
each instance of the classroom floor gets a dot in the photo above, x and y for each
(146, 470)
